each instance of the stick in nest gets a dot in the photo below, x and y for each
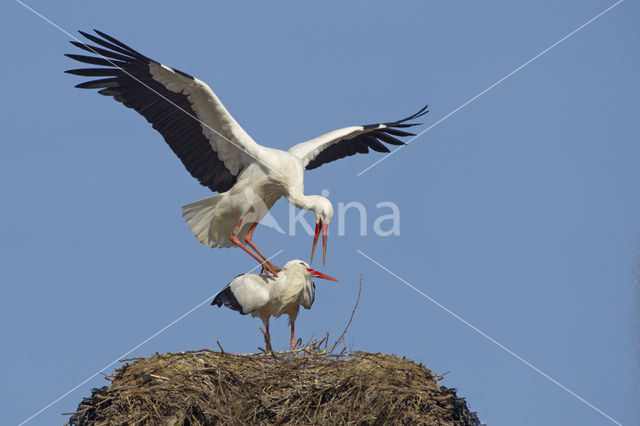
(341, 338)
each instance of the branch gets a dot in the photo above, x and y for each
(341, 338)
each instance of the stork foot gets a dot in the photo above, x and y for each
(265, 271)
(270, 268)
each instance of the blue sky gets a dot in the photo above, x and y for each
(520, 213)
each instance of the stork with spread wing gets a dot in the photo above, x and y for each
(248, 177)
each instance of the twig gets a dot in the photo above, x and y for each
(106, 376)
(341, 338)
(159, 377)
(141, 419)
(197, 351)
(440, 377)
(220, 346)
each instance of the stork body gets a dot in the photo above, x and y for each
(213, 147)
(265, 296)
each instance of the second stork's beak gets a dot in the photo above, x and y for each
(325, 229)
(315, 273)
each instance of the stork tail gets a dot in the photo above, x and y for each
(200, 216)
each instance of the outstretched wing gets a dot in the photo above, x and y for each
(352, 140)
(198, 128)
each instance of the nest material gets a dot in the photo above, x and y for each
(303, 387)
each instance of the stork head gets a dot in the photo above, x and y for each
(306, 269)
(324, 212)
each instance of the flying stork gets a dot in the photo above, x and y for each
(248, 177)
(264, 296)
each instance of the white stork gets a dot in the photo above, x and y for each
(213, 147)
(265, 296)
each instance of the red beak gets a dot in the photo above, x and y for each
(320, 275)
(325, 229)
(315, 241)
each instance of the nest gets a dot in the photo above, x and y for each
(305, 386)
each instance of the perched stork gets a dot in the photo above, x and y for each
(213, 147)
(264, 296)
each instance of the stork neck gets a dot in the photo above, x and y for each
(301, 201)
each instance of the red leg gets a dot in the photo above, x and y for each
(267, 337)
(234, 239)
(247, 239)
(293, 337)
(269, 348)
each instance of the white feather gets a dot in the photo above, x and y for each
(265, 296)
(234, 146)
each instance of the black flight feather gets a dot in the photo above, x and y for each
(228, 299)
(373, 139)
(129, 81)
